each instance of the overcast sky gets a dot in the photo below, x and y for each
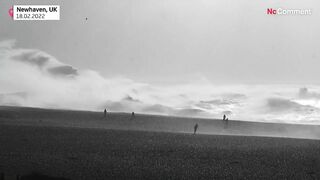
(174, 41)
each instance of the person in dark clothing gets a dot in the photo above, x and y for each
(195, 129)
(224, 117)
(105, 113)
(132, 116)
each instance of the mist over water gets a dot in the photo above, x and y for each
(31, 77)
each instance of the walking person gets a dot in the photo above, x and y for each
(105, 113)
(195, 129)
(132, 116)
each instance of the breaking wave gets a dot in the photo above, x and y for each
(31, 77)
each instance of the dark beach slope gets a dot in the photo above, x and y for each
(122, 121)
(82, 145)
(81, 153)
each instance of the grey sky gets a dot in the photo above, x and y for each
(174, 41)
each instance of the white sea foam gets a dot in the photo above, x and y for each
(31, 77)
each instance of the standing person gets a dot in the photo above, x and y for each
(105, 113)
(224, 117)
(132, 116)
(195, 129)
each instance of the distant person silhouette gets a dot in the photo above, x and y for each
(132, 116)
(195, 129)
(105, 113)
(224, 117)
